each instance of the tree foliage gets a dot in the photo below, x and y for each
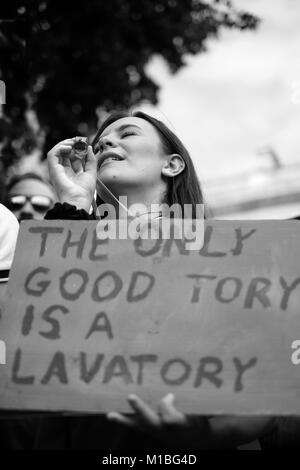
(61, 61)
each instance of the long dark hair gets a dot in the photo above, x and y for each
(182, 189)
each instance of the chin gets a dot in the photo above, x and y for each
(112, 180)
(109, 177)
(118, 184)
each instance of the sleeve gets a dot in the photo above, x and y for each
(9, 228)
(284, 435)
(67, 211)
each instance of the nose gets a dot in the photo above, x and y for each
(107, 141)
(25, 216)
(27, 211)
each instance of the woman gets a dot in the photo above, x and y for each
(153, 165)
(139, 157)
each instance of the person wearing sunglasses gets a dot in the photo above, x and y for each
(29, 196)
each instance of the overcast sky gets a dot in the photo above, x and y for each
(238, 97)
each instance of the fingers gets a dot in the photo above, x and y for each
(144, 412)
(88, 164)
(91, 161)
(65, 161)
(68, 141)
(145, 416)
(144, 419)
(169, 413)
(121, 419)
(57, 156)
(57, 161)
(64, 147)
(168, 425)
(77, 165)
(61, 156)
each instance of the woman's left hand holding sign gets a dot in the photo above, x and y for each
(169, 425)
(178, 431)
(74, 178)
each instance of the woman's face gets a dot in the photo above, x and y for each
(130, 156)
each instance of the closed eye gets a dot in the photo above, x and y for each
(99, 146)
(127, 133)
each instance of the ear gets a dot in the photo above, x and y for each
(173, 166)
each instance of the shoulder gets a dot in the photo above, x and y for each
(67, 211)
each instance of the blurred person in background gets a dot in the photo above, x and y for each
(29, 196)
(17, 431)
(9, 228)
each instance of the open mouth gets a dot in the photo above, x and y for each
(108, 158)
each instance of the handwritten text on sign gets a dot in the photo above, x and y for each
(88, 321)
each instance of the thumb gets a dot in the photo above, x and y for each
(168, 409)
(91, 162)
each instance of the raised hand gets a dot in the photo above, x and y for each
(74, 179)
(179, 431)
(169, 425)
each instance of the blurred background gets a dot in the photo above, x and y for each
(223, 75)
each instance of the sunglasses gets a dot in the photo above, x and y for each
(39, 203)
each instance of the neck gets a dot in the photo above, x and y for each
(134, 203)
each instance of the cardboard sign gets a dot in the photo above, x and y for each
(88, 321)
